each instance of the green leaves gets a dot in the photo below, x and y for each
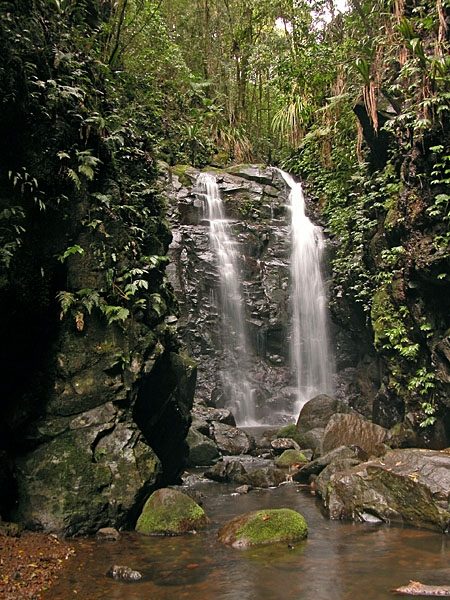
(75, 249)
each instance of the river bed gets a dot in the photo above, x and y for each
(338, 561)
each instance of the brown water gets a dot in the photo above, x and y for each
(338, 561)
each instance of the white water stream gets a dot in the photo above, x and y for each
(234, 336)
(311, 357)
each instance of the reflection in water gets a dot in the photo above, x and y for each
(338, 561)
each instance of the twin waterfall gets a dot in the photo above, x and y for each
(234, 335)
(310, 356)
(310, 353)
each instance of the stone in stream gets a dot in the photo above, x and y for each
(262, 527)
(409, 486)
(170, 512)
(107, 534)
(290, 458)
(123, 573)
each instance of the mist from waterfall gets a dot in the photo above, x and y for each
(233, 332)
(311, 358)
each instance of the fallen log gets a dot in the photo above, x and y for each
(415, 588)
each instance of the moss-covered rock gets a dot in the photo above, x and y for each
(408, 486)
(202, 450)
(289, 458)
(170, 512)
(264, 527)
(85, 479)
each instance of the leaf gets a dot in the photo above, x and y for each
(76, 249)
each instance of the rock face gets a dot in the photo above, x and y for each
(351, 429)
(254, 199)
(264, 527)
(170, 512)
(409, 486)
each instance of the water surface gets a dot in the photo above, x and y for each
(338, 561)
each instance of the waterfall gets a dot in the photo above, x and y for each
(311, 357)
(233, 333)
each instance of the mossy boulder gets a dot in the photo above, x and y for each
(409, 486)
(289, 458)
(262, 527)
(170, 512)
(85, 479)
(202, 450)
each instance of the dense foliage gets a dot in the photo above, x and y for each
(93, 92)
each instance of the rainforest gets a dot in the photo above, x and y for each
(225, 299)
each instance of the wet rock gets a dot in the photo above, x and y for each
(243, 489)
(231, 440)
(409, 486)
(265, 477)
(108, 534)
(279, 445)
(170, 512)
(317, 412)
(337, 466)
(351, 429)
(122, 573)
(312, 439)
(225, 471)
(290, 457)
(202, 450)
(263, 527)
(319, 464)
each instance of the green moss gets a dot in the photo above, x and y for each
(289, 431)
(169, 512)
(270, 526)
(289, 458)
(180, 172)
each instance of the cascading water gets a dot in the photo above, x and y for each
(310, 348)
(234, 337)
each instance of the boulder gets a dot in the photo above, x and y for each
(265, 477)
(262, 527)
(202, 450)
(279, 445)
(250, 474)
(312, 439)
(409, 486)
(108, 534)
(317, 412)
(289, 458)
(86, 478)
(170, 512)
(337, 466)
(351, 429)
(209, 414)
(231, 440)
(225, 471)
(318, 465)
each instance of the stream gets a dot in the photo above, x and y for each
(338, 561)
